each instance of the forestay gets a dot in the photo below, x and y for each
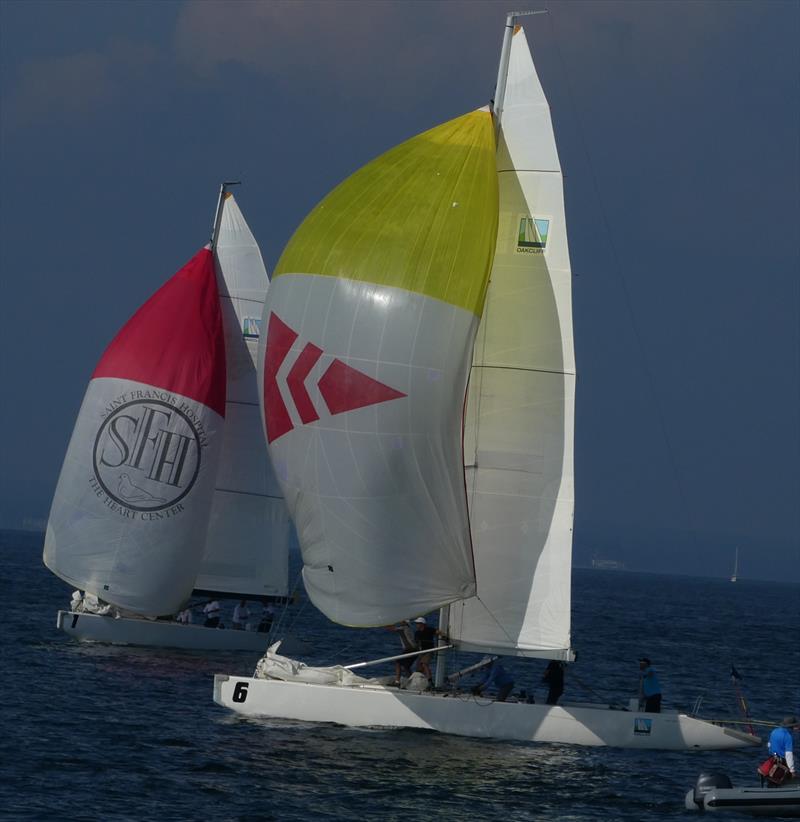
(249, 530)
(519, 417)
(368, 331)
(130, 511)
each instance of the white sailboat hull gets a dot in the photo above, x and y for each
(159, 634)
(377, 706)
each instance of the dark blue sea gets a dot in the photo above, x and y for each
(116, 733)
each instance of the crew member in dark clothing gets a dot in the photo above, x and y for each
(649, 687)
(402, 667)
(554, 677)
(425, 638)
(267, 618)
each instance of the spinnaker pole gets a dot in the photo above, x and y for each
(409, 655)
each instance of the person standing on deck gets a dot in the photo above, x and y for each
(267, 618)
(241, 613)
(649, 687)
(781, 743)
(424, 638)
(212, 612)
(554, 677)
(402, 667)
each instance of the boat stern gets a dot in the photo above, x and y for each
(219, 681)
(702, 734)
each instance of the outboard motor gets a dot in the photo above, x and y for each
(707, 782)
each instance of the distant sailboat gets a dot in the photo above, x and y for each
(167, 490)
(735, 574)
(608, 564)
(418, 383)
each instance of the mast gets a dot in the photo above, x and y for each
(502, 70)
(223, 190)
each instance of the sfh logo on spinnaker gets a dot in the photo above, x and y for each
(342, 387)
(532, 237)
(147, 455)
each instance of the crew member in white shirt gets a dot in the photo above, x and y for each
(212, 612)
(241, 613)
(185, 616)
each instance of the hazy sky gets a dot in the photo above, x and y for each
(678, 125)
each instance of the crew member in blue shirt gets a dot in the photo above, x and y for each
(781, 743)
(500, 678)
(650, 687)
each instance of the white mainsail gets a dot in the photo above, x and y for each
(247, 545)
(518, 433)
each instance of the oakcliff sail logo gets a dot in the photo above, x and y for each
(147, 454)
(532, 237)
(341, 387)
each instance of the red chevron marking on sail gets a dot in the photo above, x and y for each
(279, 342)
(296, 379)
(345, 389)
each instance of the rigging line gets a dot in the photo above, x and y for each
(277, 625)
(744, 722)
(285, 611)
(473, 443)
(617, 267)
(483, 324)
(491, 615)
(294, 619)
(231, 299)
(496, 620)
(330, 659)
(241, 402)
(531, 472)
